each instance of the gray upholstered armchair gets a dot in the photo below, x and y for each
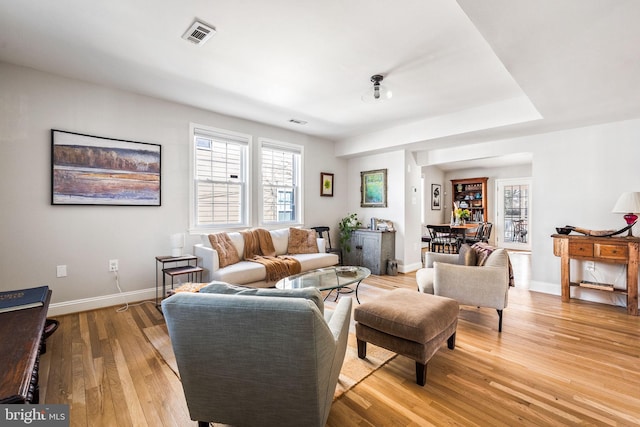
(257, 356)
(480, 286)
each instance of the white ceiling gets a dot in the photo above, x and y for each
(525, 66)
(489, 162)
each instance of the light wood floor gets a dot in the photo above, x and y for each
(553, 364)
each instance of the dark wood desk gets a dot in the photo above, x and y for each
(21, 337)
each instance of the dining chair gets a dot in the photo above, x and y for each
(443, 239)
(477, 236)
(486, 232)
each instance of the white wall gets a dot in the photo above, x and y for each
(394, 162)
(412, 253)
(37, 236)
(434, 175)
(577, 176)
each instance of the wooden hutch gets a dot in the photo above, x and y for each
(471, 193)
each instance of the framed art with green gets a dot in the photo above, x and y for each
(326, 184)
(373, 189)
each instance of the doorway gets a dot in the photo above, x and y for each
(513, 213)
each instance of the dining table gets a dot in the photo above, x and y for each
(462, 228)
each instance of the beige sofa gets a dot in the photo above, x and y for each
(251, 273)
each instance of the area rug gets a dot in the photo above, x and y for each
(353, 369)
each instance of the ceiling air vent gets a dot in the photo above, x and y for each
(199, 33)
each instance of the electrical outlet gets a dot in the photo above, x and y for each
(113, 265)
(61, 271)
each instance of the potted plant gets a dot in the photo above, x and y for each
(347, 225)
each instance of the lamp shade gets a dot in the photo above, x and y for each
(628, 202)
(177, 243)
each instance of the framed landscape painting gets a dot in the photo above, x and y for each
(93, 170)
(373, 189)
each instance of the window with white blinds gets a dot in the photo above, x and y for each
(280, 182)
(220, 179)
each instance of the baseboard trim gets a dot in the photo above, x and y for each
(544, 287)
(409, 267)
(85, 304)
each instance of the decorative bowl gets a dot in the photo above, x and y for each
(347, 271)
(563, 230)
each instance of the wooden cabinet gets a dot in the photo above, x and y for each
(614, 250)
(371, 249)
(471, 194)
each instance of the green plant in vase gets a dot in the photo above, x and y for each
(463, 214)
(347, 225)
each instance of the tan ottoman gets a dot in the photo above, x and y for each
(409, 323)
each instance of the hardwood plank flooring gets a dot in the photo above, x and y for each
(554, 364)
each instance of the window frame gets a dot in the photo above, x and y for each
(298, 182)
(228, 136)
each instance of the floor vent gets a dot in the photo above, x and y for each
(199, 33)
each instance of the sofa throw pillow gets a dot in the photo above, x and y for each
(227, 253)
(302, 241)
(311, 294)
(466, 255)
(483, 251)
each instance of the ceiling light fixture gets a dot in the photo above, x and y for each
(379, 92)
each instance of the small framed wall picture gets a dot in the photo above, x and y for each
(326, 184)
(435, 197)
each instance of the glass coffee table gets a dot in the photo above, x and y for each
(326, 279)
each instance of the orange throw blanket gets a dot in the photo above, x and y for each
(258, 247)
(257, 242)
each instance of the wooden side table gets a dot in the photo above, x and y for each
(614, 250)
(181, 265)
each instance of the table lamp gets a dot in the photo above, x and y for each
(628, 204)
(177, 243)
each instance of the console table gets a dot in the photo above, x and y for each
(21, 334)
(614, 250)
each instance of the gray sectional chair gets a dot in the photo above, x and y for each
(257, 357)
